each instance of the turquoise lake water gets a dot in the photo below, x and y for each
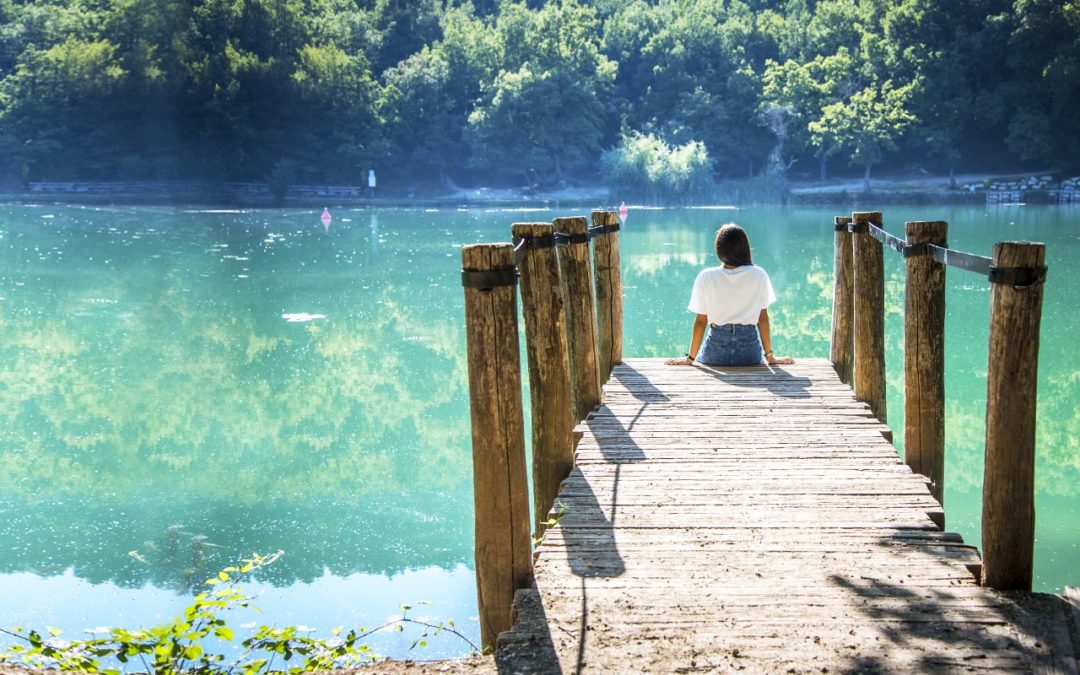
(182, 388)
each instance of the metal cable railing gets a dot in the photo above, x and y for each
(1017, 277)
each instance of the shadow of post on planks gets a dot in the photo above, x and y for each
(572, 344)
(1016, 272)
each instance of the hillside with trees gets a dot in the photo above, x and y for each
(667, 95)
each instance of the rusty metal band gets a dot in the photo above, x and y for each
(543, 241)
(1018, 277)
(599, 230)
(506, 276)
(563, 239)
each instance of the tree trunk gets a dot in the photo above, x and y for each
(952, 177)
(823, 162)
(866, 179)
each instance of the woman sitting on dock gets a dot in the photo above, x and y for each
(732, 300)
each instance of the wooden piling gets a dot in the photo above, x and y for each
(841, 344)
(580, 316)
(500, 489)
(1008, 521)
(549, 370)
(869, 303)
(924, 357)
(609, 305)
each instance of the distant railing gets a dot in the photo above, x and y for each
(1066, 196)
(1016, 272)
(192, 189)
(1002, 197)
(571, 344)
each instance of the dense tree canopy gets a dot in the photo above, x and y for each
(429, 91)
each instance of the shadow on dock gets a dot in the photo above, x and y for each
(588, 539)
(643, 389)
(587, 533)
(776, 380)
(944, 626)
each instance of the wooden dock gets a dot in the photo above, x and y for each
(750, 519)
(756, 519)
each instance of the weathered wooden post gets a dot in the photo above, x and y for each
(924, 357)
(500, 489)
(549, 369)
(841, 345)
(609, 307)
(869, 302)
(1008, 520)
(580, 317)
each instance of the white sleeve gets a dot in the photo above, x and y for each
(697, 296)
(768, 295)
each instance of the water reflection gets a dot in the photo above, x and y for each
(176, 545)
(150, 404)
(161, 415)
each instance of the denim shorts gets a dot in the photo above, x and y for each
(733, 344)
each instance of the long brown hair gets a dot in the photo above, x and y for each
(733, 246)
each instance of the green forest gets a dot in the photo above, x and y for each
(664, 94)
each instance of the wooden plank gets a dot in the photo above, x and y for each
(1072, 596)
(756, 519)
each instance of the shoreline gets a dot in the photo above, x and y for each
(1033, 188)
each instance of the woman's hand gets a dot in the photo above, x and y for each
(779, 361)
(684, 361)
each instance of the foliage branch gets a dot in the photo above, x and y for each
(182, 644)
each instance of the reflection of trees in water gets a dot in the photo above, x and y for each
(965, 436)
(808, 324)
(804, 327)
(179, 545)
(334, 405)
(157, 399)
(345, 441)
(1058, 431)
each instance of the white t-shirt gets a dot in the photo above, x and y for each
(734, 295)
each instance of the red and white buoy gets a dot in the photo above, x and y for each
(622, 213)
(326, 218)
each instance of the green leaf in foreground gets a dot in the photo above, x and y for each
(179, 646)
